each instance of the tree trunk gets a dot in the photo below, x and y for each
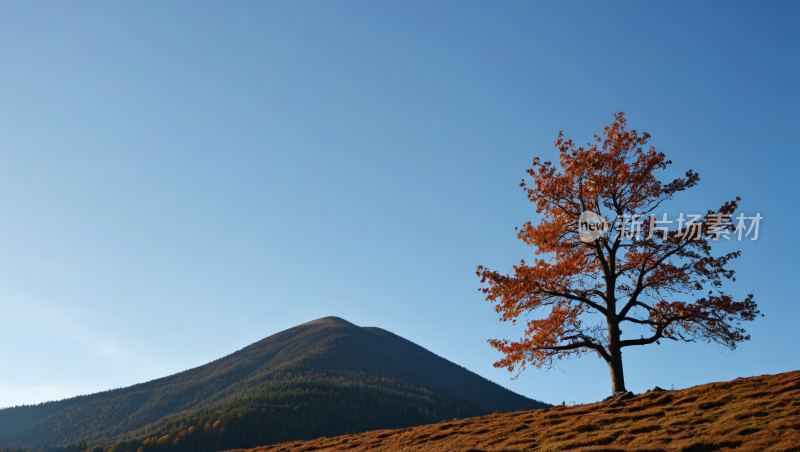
(617, 376)
(614, 350)
(615, 364)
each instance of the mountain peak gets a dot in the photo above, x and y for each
(332, 319)
(327, 321)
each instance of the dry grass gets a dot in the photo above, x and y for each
(758, 414)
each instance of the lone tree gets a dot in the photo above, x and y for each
(606, 261)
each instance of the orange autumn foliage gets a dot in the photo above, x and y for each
(584, 290)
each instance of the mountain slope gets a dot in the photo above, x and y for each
(370, 378)
(758, 414)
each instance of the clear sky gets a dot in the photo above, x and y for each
(181, 179)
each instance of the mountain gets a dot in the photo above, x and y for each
(758, 414)
(325, 377)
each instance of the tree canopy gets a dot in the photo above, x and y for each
(604, 258)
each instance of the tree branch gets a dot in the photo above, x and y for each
(577, 298)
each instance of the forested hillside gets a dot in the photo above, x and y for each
(757, 414)
(322, 378)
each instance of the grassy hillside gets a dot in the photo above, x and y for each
(325, 377)
(759, 414)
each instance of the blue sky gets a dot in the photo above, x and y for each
(181, 179)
